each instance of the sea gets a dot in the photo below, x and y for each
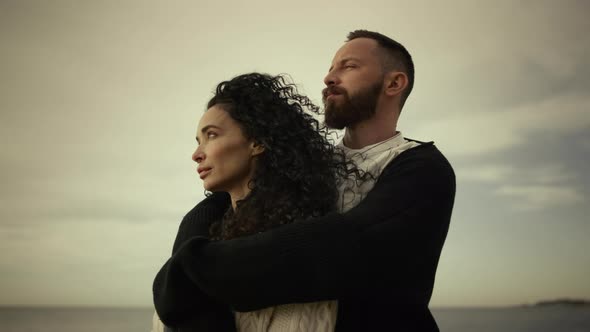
(515, 319)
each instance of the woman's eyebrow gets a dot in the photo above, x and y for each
(204, 129)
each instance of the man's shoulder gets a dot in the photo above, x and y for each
(420, 165)
(424, 154)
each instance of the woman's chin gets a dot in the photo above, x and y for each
(211, 188)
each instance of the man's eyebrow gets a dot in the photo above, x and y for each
(350, 59)
(345, 60)
(204, 129)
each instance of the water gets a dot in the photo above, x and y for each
(525, 319)
(539, 319)
(75, 320)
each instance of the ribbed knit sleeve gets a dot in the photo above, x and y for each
(178, 301)
(385, 249)
(197, 221)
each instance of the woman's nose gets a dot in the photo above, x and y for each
(198, 156)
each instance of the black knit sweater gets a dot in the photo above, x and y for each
(378, 259)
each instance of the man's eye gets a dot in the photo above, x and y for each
(211, 134)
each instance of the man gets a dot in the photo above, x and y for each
(377, 260)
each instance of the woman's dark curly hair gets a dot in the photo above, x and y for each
(297, 175)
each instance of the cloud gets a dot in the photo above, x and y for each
(485, 173)
(533, 187)
(529, 75)
(537, 197)
(552, 174)
(111, 255)
(543, 174)
(480, 132)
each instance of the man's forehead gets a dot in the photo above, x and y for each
(356, 48)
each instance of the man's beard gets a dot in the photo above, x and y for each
(352, 109)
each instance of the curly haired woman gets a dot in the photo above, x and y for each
(258, 143)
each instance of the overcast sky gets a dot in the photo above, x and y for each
(99, 102)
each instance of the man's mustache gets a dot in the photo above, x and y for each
(332, 90)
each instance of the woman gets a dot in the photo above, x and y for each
(258, 144)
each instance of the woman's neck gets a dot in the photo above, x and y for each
(238, 195)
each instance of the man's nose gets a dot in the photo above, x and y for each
(331, 79)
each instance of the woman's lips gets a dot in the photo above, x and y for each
(203, 172)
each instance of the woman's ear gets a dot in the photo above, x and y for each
(256, 148)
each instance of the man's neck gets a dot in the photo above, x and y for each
(369, 132)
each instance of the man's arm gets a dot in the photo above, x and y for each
(198, 220)
(177, 301)
(388, 246)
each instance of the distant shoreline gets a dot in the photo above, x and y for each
(560, 302)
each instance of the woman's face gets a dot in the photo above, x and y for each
(225, 156)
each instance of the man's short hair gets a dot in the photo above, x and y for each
(395, 57)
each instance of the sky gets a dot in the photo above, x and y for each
(99, 102)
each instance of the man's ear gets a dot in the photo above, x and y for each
(256, 148)
(395, 83)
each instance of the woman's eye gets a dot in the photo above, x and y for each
(211, 134)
